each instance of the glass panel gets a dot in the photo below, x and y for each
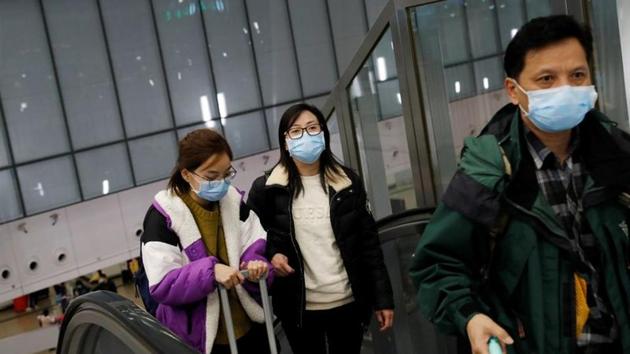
(465, 94)
(5, 159)
(389, 98)
(186, 59)
(609, 62)
(10, 206)
(460, 81)
(275, 58)
(313, 42)
(348, 28)
(373, 9)
(335, 136)
(136, 60)
(246, 134)
(318, 102)
(482, 24)
(538, 8)
(511, 18)
(83, 71)
(153, 157)
(213, 124)
(452, 24)
(232, 56)
(104, 170)
(48, 184)
(27, 84)
(489, 74)
(382, 144)
(274, 115)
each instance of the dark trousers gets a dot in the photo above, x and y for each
(601, 348)
(255, 341)
(334, 331)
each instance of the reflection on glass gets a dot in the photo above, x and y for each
(84, 72)
(10, 206)
(465, 88)
(381, 134)
(27, 84)
(153, 157)
(48, 184)
(335, 136)
(133, 48)
(104, 170)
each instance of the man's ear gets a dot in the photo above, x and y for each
(511, 90)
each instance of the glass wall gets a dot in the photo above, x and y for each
(85, 113)
(459, 49)
(375, 102)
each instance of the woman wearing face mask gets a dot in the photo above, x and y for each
(322, 241)
(198, 234)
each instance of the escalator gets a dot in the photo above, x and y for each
(104, 322)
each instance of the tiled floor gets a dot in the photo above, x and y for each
(12, 323)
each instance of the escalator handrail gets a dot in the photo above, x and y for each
(412, 219)
(129, 319)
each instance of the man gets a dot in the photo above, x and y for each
(530, 242)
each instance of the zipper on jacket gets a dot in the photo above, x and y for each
(299, 256)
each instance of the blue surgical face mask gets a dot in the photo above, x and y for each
(308, 148)
(213, 191)
(560, 108)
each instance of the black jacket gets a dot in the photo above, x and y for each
(354, 230)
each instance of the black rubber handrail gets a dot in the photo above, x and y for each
(97, 312)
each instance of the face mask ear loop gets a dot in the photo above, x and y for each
(523, 91)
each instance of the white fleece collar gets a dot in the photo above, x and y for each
(280, 176)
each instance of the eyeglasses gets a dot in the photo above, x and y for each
(297, 132)
(228, 176)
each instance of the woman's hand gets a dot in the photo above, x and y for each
(281, 265)
(255, 269)
(227, 276)
(385, 319)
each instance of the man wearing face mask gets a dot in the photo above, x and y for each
(529, 245)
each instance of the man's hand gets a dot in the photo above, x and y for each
(480, 328)
(281, 265)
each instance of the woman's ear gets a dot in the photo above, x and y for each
(185, 175)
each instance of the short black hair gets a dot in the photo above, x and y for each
(541, 32)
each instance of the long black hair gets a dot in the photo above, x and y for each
(329, 166)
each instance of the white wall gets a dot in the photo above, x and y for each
(623, 14)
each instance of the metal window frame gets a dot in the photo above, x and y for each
(420, 132)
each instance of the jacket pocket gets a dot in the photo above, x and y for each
(511, 256)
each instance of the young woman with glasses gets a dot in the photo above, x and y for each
(322, 241)
(198, 234)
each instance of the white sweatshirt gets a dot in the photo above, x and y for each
(327, 284)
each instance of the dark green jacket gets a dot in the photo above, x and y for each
(530, 287)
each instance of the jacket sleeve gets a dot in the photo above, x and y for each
(442, 271)
(171, 282)
(372, 255)
(255, 242)
(256, 201)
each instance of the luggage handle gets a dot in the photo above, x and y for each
(227, 314)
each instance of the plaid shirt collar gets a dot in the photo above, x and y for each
(543, 157)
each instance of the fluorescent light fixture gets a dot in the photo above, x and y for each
(355, 89)
(179, 75)
(151, 82)
(513, 32)
(399, 98)
(23, 106)
(458, 87)
(486, 83)
(381, 68)
(105, 186)
(205, 111)
(40, 189)
(222, 105)
(256, 27)
(371, 79)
